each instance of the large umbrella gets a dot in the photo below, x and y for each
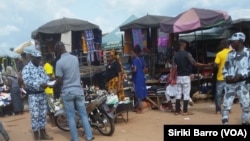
(240, 24)
(6, 52)
(195, 19)
(63, 25)
(19, 49)
(29, 49)
(147, 21)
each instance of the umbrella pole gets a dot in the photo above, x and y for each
(90, 70)
(198, 70)
(196, 50)
(122, 44)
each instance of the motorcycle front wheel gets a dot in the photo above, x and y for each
(61, 122)
(107, 125)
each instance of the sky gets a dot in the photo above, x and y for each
(18, 18)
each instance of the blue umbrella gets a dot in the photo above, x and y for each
(6, 52)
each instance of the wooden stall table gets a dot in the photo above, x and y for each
(159, 97)
(152, 81)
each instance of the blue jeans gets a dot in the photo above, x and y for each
(220, 86)
(4, 132)
(71, 100)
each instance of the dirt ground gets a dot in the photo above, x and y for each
(140, 127)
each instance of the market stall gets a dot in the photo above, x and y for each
(144, 31)
(192, 20)
(80, 37)
(8, 58)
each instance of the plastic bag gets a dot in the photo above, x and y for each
(112, 99)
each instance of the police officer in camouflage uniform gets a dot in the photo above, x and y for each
(236, 71)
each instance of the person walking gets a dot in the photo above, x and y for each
(68, 75)
(236, 72)
(184, 60)
(36, 80)
(219, 63)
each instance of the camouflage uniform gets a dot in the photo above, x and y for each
(237, 63)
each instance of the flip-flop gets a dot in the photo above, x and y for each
(177, 113)
(187, 113)
(139, 112)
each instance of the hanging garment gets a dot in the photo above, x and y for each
(66, 39)
(90, 39)
(92, 56)
(89, 57)
(137, 37)
(145, 38)
(97, 56)
(84, 44)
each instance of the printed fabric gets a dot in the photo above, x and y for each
(137, 37)
(89, 36)
(237, 63)
(34, 76)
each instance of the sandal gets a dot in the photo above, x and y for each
(218, 112)
(139, 111)
(177, 113)
(187, 113)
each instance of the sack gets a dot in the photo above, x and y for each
(112, 99)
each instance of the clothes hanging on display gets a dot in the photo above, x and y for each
(66, 38)
(91, 56)
(137, 37)
(145, 38)
(89, 36)
(84, 44)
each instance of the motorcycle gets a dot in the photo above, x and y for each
(101, 116)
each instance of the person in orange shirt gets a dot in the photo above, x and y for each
(219, 62)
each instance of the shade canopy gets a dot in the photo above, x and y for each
(195, 19)
(147, 21)
(240, 24)
(209, 34)
(63, 25)
(113, 40)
